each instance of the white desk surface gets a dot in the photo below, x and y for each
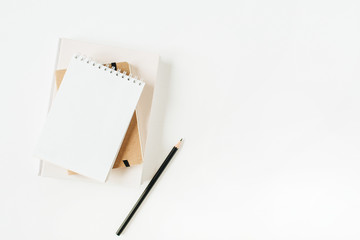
(265, 93)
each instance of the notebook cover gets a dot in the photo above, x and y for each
(130, 150)
(89, 118)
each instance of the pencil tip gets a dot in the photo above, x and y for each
(179, 143)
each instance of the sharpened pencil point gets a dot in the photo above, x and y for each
(178, 144)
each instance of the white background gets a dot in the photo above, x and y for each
(265, 93)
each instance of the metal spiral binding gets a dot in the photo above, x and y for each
(109, 69)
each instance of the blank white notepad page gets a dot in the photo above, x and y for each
(89, 118)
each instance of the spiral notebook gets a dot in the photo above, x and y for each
(89, 118)
(130, 151)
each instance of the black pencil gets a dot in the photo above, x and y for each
(148, 188)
